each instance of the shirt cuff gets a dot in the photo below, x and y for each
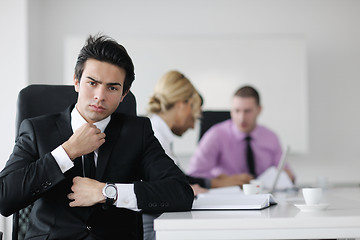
(126, 197)
(62, 159)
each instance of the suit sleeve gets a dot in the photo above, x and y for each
(164, 187)
(26, 176)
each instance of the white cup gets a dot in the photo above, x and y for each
(312, 196)
(257, 183)
(250, 189)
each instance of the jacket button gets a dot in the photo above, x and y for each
(88, 228)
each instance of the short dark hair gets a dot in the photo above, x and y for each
(105, 49)
(248, 91)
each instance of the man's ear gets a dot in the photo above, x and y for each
(76, 84)
(124, 95)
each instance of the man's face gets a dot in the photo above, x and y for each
(185, 119)
(244, 112)
(100, 90)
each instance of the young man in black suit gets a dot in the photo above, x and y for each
(128, 171)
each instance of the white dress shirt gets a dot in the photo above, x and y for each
(126, 195)
(163, 133)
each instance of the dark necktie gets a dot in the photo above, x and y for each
(89, 165)
(250, 157)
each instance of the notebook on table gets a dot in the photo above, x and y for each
(231, 198)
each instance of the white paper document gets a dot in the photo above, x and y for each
(231, 198)
(267, 179)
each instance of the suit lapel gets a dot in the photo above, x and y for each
(64, 124)
(112, 132)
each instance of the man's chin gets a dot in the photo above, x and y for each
(96, 117)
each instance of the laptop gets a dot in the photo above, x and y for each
(280, 168)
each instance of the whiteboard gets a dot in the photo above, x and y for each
(276, 66)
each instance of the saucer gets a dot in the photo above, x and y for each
(312, 208)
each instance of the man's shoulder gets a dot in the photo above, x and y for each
(45, 119)
(51, 116)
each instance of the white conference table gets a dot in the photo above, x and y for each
(282, 221)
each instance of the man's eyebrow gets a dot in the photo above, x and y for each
(93, 79)
(113, 84)
(108, 84)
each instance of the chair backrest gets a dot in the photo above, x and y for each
(210, 118)
(40, 99)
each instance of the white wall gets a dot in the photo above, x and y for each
(13, 72)
(329, 27)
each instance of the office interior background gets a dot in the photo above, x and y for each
(303, 55)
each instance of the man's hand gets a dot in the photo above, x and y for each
(84, 140)
(86, 192)
(231, 180)
(197, 189)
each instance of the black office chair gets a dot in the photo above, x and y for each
(36, 100)
(210, 118)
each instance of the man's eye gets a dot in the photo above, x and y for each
(92, 83)
(113, 88)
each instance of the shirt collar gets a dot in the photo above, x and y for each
(241, 135)
(77, 121)
(164, 128)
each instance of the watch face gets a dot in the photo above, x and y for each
(110, 191)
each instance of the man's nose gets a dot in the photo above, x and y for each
(100, 93)
(241, 116)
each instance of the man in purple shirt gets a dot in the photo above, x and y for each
(223, 148)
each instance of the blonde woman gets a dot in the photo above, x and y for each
(173, 108)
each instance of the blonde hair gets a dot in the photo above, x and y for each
(171, 88)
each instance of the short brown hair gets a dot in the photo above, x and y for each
(248, 91)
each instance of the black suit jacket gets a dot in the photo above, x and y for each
(130, 154)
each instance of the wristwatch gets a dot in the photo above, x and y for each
(110, 193)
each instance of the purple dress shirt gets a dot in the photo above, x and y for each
(222, 150)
